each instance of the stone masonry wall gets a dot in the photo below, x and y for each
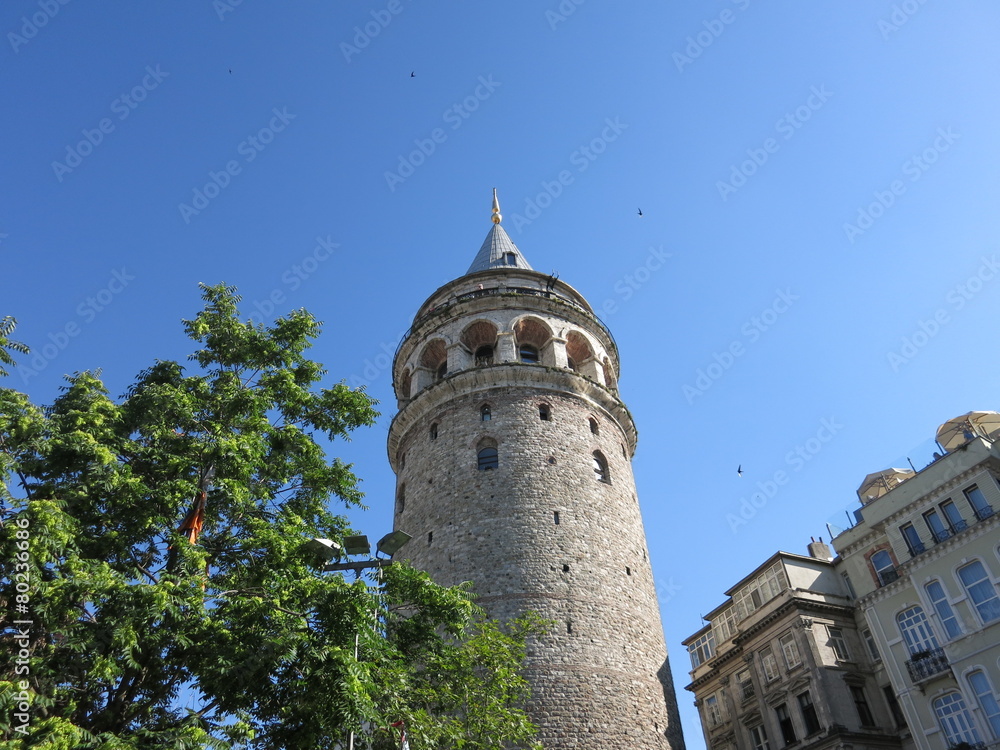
(594, 676)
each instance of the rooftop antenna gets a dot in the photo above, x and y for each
(911, 465)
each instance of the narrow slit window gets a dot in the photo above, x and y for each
(565, 568)
(628, 570)
(593, 426)
(600, 467)
(544, 413)
(485, 413)
(555, 517)
(430, 538)
(434, 431)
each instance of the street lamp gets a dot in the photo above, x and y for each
(388, 545)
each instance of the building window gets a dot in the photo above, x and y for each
(977, 501)
(702, 649)
(789, 650)
(544, 412)
(809, 717)
(401, 498)
(870, 643)
(850, 586)
(488, 459)
(510, 259)
(954, 518)
(485, 415)
(987, 700)
(936, 593)
(916, 631)
(442, 370)
(484, 355)
(861, 704)
(884, 569)
(434, 431)
(785, 722)
(528, 354)
(593, 426)
(713, 713)
(758, 738)
(937, 528)
(430, 538)
(897, 712)
(955, 720)
(600, 467)
(981, 590)
(912, 539)
(555, 517)
(838, 644)
(745, 684)
(768, 664)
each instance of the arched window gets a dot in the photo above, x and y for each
(485, 415)
(528, 354)
(956, 722)
(916, 631)
(435, 358)
(987, 702)
(594, 428)
(883, 566)
(488, 458)
(600, 467)
(544, 412)
(981, 590)
(936, 593)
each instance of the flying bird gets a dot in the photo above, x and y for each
(640, 212)
(739, 470)
(412, 74)
(230, 71)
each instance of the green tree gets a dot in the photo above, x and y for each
(157, 591)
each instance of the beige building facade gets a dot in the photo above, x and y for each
(781, 663)
(924, 562)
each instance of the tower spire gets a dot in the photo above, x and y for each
(497, 218)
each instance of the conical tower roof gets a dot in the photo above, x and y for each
(498, 250)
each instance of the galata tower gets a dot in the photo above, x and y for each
(512, 451)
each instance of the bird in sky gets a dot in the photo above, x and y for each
(739, 470)
(230, 71)
(412, 74)
(640, 212)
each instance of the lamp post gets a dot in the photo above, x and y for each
(388, 545)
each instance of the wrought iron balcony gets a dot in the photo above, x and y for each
(985, 512)
(940, 536)
(887, 576)
(924, 665)
(916, 548)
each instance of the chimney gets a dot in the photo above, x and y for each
(819, 550)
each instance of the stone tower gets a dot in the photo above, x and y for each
(512, 451)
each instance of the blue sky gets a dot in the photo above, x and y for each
(810, 290)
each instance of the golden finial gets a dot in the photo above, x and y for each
(496, 208)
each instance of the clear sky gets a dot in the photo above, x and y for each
(811, 289)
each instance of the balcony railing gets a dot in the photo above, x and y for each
(916, 548)
(940, 536)
(924, 665)
(887, 576)
(984, 512)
